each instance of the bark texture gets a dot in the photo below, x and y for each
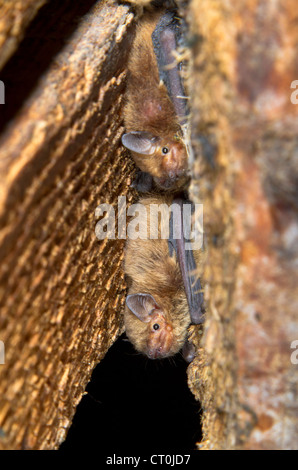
(245, 129)
(61, 289)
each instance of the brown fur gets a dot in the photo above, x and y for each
(151, 270)
(149, 108)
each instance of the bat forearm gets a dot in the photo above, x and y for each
(165, 41)
(188, 267)
(173, 80)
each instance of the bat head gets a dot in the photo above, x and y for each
(165, 158)
(158, 332)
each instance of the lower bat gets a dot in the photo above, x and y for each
(161, 301)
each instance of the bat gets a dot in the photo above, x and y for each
(158, 310)
(155, 110)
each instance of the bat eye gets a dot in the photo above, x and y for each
(156, 326)
(165, 150)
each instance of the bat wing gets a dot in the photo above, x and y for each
(166, 37)
(192, 284)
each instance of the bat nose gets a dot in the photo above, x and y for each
(177, 173)
(175, 169)
(175, 163)
(156, 353)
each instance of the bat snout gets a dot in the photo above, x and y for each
(161, 343)
(158, 353)
(155, 353)
(177, 173)
(175, 162)
(172, 178)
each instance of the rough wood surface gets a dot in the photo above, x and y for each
(61, 289)
(14, 18)
(245, 58)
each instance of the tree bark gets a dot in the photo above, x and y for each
(61, 289)
(245, 129)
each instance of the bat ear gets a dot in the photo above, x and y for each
(142, 306)
(140, 142)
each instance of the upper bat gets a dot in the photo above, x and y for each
(155, 107)
(158, 309)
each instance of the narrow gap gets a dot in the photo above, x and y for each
(136, 403)
(44, 38)
(131, 402)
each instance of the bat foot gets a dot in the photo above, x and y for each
(188, 351)
(197, 318)
(143, 182)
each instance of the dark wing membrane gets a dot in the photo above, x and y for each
(192, 285)
(166, 38)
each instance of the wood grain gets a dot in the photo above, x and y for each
(61, 289)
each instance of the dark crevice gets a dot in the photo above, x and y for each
(136, 403)
(45, 37)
